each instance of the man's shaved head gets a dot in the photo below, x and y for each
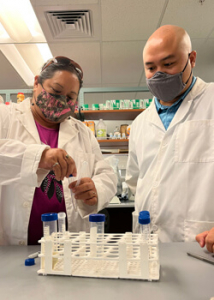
(171, 37)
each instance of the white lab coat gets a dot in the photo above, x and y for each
(172, 171)
(20, 153)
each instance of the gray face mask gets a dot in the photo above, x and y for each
(167, 87)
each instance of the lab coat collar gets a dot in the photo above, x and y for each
(68, 130)
(153, 116)
(185, 106)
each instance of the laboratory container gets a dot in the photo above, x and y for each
(61, 221)
(97, 222)
(101, 130)
(20, 97)
(144, 221)
(49, 223)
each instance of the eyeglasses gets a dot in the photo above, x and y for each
(64, 61)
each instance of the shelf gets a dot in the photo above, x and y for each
(110, 141)
(114, 144)
(119, 114)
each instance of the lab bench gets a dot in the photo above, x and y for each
(181, 277)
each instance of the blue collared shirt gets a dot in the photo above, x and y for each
(167, 113)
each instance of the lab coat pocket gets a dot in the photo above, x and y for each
(194, 142)
(192, 228)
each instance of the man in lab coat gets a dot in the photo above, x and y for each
(171, 148)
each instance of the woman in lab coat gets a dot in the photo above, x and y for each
(41, 145)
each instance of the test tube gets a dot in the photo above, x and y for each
(61, 221)
(97, 222)
(49, 223)
(72, 196)
(144, 221)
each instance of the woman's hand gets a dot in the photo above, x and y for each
(59, 161)
(85, 191)
(206, 238)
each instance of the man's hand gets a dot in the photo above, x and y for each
(206, 238)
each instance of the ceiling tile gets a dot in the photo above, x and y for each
(205, 62)
(129, 19)
(212, 34)
(194, 17)
(86, 54)
(9, 78)
(62, 2)
(122, 62)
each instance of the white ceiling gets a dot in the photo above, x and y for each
(113, 55)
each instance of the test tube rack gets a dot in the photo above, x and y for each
(124, 256)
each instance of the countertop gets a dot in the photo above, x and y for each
(181, 278)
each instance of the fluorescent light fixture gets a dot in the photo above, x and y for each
(3, 33)
(21, 38)
(44, 51)
(19, 64)
(35, 55)
(12, 17)
(20, 22)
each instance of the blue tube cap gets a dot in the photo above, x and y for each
(144, 217)
(97, 218)
(29, 262)
(49, 217)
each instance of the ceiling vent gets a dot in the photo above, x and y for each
(70, 23)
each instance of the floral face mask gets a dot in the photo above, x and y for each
(55, 108)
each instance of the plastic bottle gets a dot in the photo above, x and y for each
(49, 223)
(91, 125)
(101, 130)
(61, 222)
(128, 131)
(20, 97)
(97, 222)
(144, 221)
